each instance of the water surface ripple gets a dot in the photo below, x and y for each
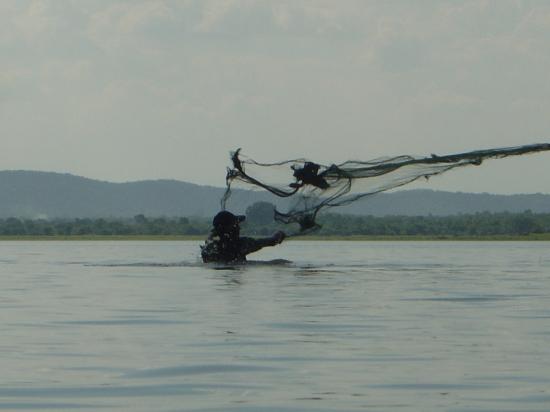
(337, 327)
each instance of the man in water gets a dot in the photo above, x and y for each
(225, 243)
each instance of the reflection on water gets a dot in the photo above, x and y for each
(341, 326)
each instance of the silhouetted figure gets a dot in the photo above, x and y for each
(224, 244)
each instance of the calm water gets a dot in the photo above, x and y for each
(348, 326)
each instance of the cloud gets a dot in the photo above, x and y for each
(278, 78)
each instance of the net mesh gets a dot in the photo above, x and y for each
(312, 187)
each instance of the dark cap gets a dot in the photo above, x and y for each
(226, 219)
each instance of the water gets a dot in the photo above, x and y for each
(348, 326)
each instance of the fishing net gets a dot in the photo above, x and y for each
(312, 187)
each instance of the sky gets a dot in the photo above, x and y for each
(132, 90)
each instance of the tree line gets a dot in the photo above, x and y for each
(478, 224)
(139, 225)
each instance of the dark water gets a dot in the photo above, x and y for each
(348, 326)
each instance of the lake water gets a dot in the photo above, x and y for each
(348, 326)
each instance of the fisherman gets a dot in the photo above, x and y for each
(224, 244)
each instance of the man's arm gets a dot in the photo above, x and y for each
(251, 245)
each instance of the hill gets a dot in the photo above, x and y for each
(422, 202)
(54, 195)
(32, 194)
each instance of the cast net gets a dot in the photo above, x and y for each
(312, 187)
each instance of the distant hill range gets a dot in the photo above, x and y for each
(34, 195)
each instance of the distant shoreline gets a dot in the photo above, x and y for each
(530, 237)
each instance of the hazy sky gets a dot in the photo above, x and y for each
(129, 90)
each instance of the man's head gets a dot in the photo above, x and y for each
(226, 222)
